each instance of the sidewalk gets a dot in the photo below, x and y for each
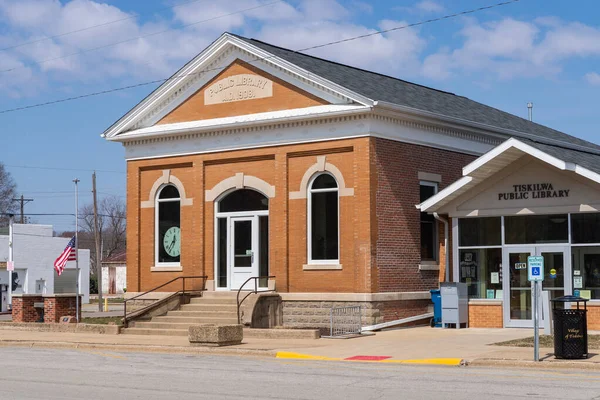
(414, 344)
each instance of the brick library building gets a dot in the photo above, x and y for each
(340, 186)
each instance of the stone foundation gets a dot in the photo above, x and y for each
(315, 314)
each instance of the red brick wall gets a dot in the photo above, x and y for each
(57, 307)
(485, 316)
(398, 221)
(23, 310)
(593, 317)
(393, 310)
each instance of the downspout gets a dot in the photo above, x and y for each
(446, 261)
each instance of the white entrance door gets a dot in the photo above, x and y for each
(518, 291)
(243, 245)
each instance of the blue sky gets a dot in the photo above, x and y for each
(547, 52)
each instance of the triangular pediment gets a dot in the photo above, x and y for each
(528, 184)
(521, 178)
(241, 89)
(229, 78)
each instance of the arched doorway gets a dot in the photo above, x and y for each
(241, 238)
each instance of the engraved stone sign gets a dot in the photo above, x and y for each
(237, 88)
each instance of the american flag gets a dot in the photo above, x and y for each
(68, 254)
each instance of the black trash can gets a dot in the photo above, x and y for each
(570, 328)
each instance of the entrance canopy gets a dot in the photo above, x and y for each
(522, 177)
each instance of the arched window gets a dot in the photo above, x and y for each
(168, 226)
(323, 220)
(244, 200)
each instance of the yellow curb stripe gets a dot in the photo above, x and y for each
(428, 361)
(298, 356)
(425, 361)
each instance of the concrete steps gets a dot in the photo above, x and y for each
(150, 331)
(214, 300)
(164, 325)
(218, 308)
(232, 308)
(202, 314)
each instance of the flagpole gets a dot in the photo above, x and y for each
(77, 247)
(10, 257)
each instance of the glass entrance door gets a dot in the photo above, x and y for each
(243, 245)
(518, 291)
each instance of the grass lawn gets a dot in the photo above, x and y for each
(547, 341)
(102, 320)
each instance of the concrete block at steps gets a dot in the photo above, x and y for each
(215, 335)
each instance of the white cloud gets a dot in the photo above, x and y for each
(429, 6)
(422, 7)
(392, 53)
(189, 29)
(510, 48)
(593, 78)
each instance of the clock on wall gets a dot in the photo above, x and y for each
(172, 241)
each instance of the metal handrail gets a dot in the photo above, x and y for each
(255, 291)
(182, 291)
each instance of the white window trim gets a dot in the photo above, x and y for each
(165, 266)
(436, 242)
(310, 191)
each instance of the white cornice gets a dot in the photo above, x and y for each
(350, 122)
(255, 121)
(490, 130)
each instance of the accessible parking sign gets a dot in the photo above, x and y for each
(535, 268)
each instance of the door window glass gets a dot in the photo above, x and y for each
(520, 287)
(554, 273)
(242, 244)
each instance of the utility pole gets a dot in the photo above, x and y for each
(23, 201)
(76, 181)
(97, 240)
(11, 260)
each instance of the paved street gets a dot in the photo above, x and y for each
(69, 374)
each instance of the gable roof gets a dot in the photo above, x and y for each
(379, 87)
(581, 163)
(370, 89)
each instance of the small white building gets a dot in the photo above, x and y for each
(114, 273)
(34, 252)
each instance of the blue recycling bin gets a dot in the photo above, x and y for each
(436, 299)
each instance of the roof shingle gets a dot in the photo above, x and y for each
(380, 87)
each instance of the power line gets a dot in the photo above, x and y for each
(449, 16)
(258, 59)
(60, 168)
(81, 216)
(135, 38)
(95, 26)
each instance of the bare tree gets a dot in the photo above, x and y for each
(111, 224)
(8, 191)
